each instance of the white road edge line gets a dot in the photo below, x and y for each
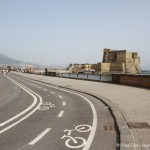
(23, 112)
(61, 114)
(26, 116)
(64, 103)
(60, 96)
(40, 136)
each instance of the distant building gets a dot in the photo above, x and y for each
(29, 69)
(82, 68)
(74, 68)
(119, 61)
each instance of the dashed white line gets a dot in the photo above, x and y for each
(60, 96)
(64, 103)
(94, 124)
(52, 93)
(61, 114)
(40, 136)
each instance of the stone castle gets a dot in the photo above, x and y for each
(120, 61)
(114, 61)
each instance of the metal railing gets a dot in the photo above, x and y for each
(106, 78)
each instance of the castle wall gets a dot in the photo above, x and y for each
(112, 56)
(116, 67)
(98, 67)
(105, 67)
(135, 55)
(129, 58)
(121, 61)
(121, 56)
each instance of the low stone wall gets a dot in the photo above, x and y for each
(133, 80)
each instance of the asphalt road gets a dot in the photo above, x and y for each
(36, 116)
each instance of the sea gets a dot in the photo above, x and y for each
(146, 72)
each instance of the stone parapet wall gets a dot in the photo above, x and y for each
(133, 80)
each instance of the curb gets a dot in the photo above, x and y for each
(124, 133)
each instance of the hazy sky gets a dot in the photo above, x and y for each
(59, 32)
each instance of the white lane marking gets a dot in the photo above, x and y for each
(39, 87)
(64, 103)
(60, 96)
(44, 89)
(23, 112)
(52, 93)
(40, 136)
(61, 114)
(43, 108)
(94, 124)
(29, 114)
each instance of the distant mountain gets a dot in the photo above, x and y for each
(5, 60)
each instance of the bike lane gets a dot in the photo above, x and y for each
(72, 129)
(74, 125)
(76, 112)
(105, 137)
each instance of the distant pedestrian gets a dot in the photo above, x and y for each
(45, 71)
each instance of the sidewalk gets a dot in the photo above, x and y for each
(132, 102)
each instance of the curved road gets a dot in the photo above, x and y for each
(36, 116)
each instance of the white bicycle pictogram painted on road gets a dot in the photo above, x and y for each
(43, 108)
(76, 142)
(46, 106)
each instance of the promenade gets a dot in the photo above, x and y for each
(129, 104)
